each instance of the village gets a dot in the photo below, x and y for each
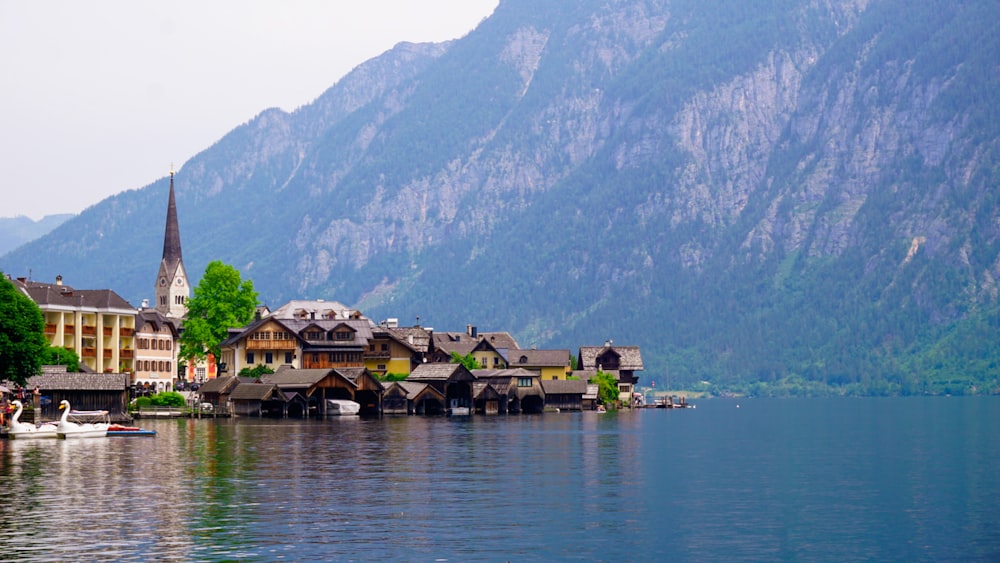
(304, 358)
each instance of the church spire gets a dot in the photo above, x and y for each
(172, 233)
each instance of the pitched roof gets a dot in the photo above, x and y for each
(318, 309)
(79, 381)
(414, 389)
(172, 232)
(564, 386)
(415, 337)
(218, 384)
(57, 295)
(156, 319)
(629, 356)
(539, 358)
(507, 373)
(252, 392)
(440, 372)
(286, 378)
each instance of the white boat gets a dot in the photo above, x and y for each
(342, 407)
(24, 431)
(69, 429)
(456, 409)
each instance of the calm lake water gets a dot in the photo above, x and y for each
(803, 479)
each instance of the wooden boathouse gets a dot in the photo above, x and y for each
(84, 391)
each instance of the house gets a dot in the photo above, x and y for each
(155, 352)
(490, 349)
(97, 324)
(395, 351)
(315, 386)
(521, 387)
(565, 395)
(216, 391)
(368, 390)
(265, 341)
(623, 361)
(84, 391)
(550, 364)
(301, 343)
(453, 381)
(411, 397)
(256, 399)
(487, 400)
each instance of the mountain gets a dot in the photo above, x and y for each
(790, 196)
(15, 231)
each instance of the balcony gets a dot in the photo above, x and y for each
(89, 330)
(270, 344)
(108, 353)
(378, 355)
(88, 352)
(125, 354)
(125, 331)
(108, 331)
(69, 329)
(50, 328)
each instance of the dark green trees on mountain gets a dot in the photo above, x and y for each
(773, 197)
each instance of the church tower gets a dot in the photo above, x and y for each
(172, 289)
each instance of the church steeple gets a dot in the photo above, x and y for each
(172, 289)
(172, 233)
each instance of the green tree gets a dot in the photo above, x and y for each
(57, 356)
(467, 360)
(222, 300)
(607, 387)
(22, 334)
(256, 371)
(167, 399)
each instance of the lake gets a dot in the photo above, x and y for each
(794, 479)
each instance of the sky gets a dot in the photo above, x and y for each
(104, 96)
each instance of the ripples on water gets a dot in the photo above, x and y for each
(792, 480)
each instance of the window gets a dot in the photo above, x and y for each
(496, 360)
(163, 300)
(524, 382)
(268, 358)
(344, 335)
(314, 335)
(249, 357)
(380, 367)
(385, 347)
(288, 358)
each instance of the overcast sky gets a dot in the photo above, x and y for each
(100, 97)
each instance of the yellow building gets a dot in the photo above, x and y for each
(97, 324)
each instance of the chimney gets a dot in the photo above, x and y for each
(471, 330)
(59, 279)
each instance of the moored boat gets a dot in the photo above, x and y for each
(69, 429)
(342, 407)
(26, 431)
(119, 430)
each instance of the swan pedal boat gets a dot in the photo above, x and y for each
(68, 429)
(18, 430)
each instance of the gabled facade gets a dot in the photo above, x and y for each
(97, 324)
(392, 351)
(621, 360)
(303, 344)
(155, 353)
(550, 364)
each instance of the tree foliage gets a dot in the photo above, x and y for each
(255, 371)
(167, 399)
(222, 300)
(467, 360)
(22, 334)
(607, 387)
(57, 356)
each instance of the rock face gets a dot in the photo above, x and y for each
(743, 190)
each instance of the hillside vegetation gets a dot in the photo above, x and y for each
(780, 197)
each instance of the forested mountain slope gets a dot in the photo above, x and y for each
(801, 193)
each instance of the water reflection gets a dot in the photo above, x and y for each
(795, 480)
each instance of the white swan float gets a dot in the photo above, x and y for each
(23, 430)
(68, 429)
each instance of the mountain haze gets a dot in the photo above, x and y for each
(796, 193)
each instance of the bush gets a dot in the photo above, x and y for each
(168, 399)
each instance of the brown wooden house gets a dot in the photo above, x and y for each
(451, 380)
(410, 397)
(84, 391)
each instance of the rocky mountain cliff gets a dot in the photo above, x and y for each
(798, 194)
